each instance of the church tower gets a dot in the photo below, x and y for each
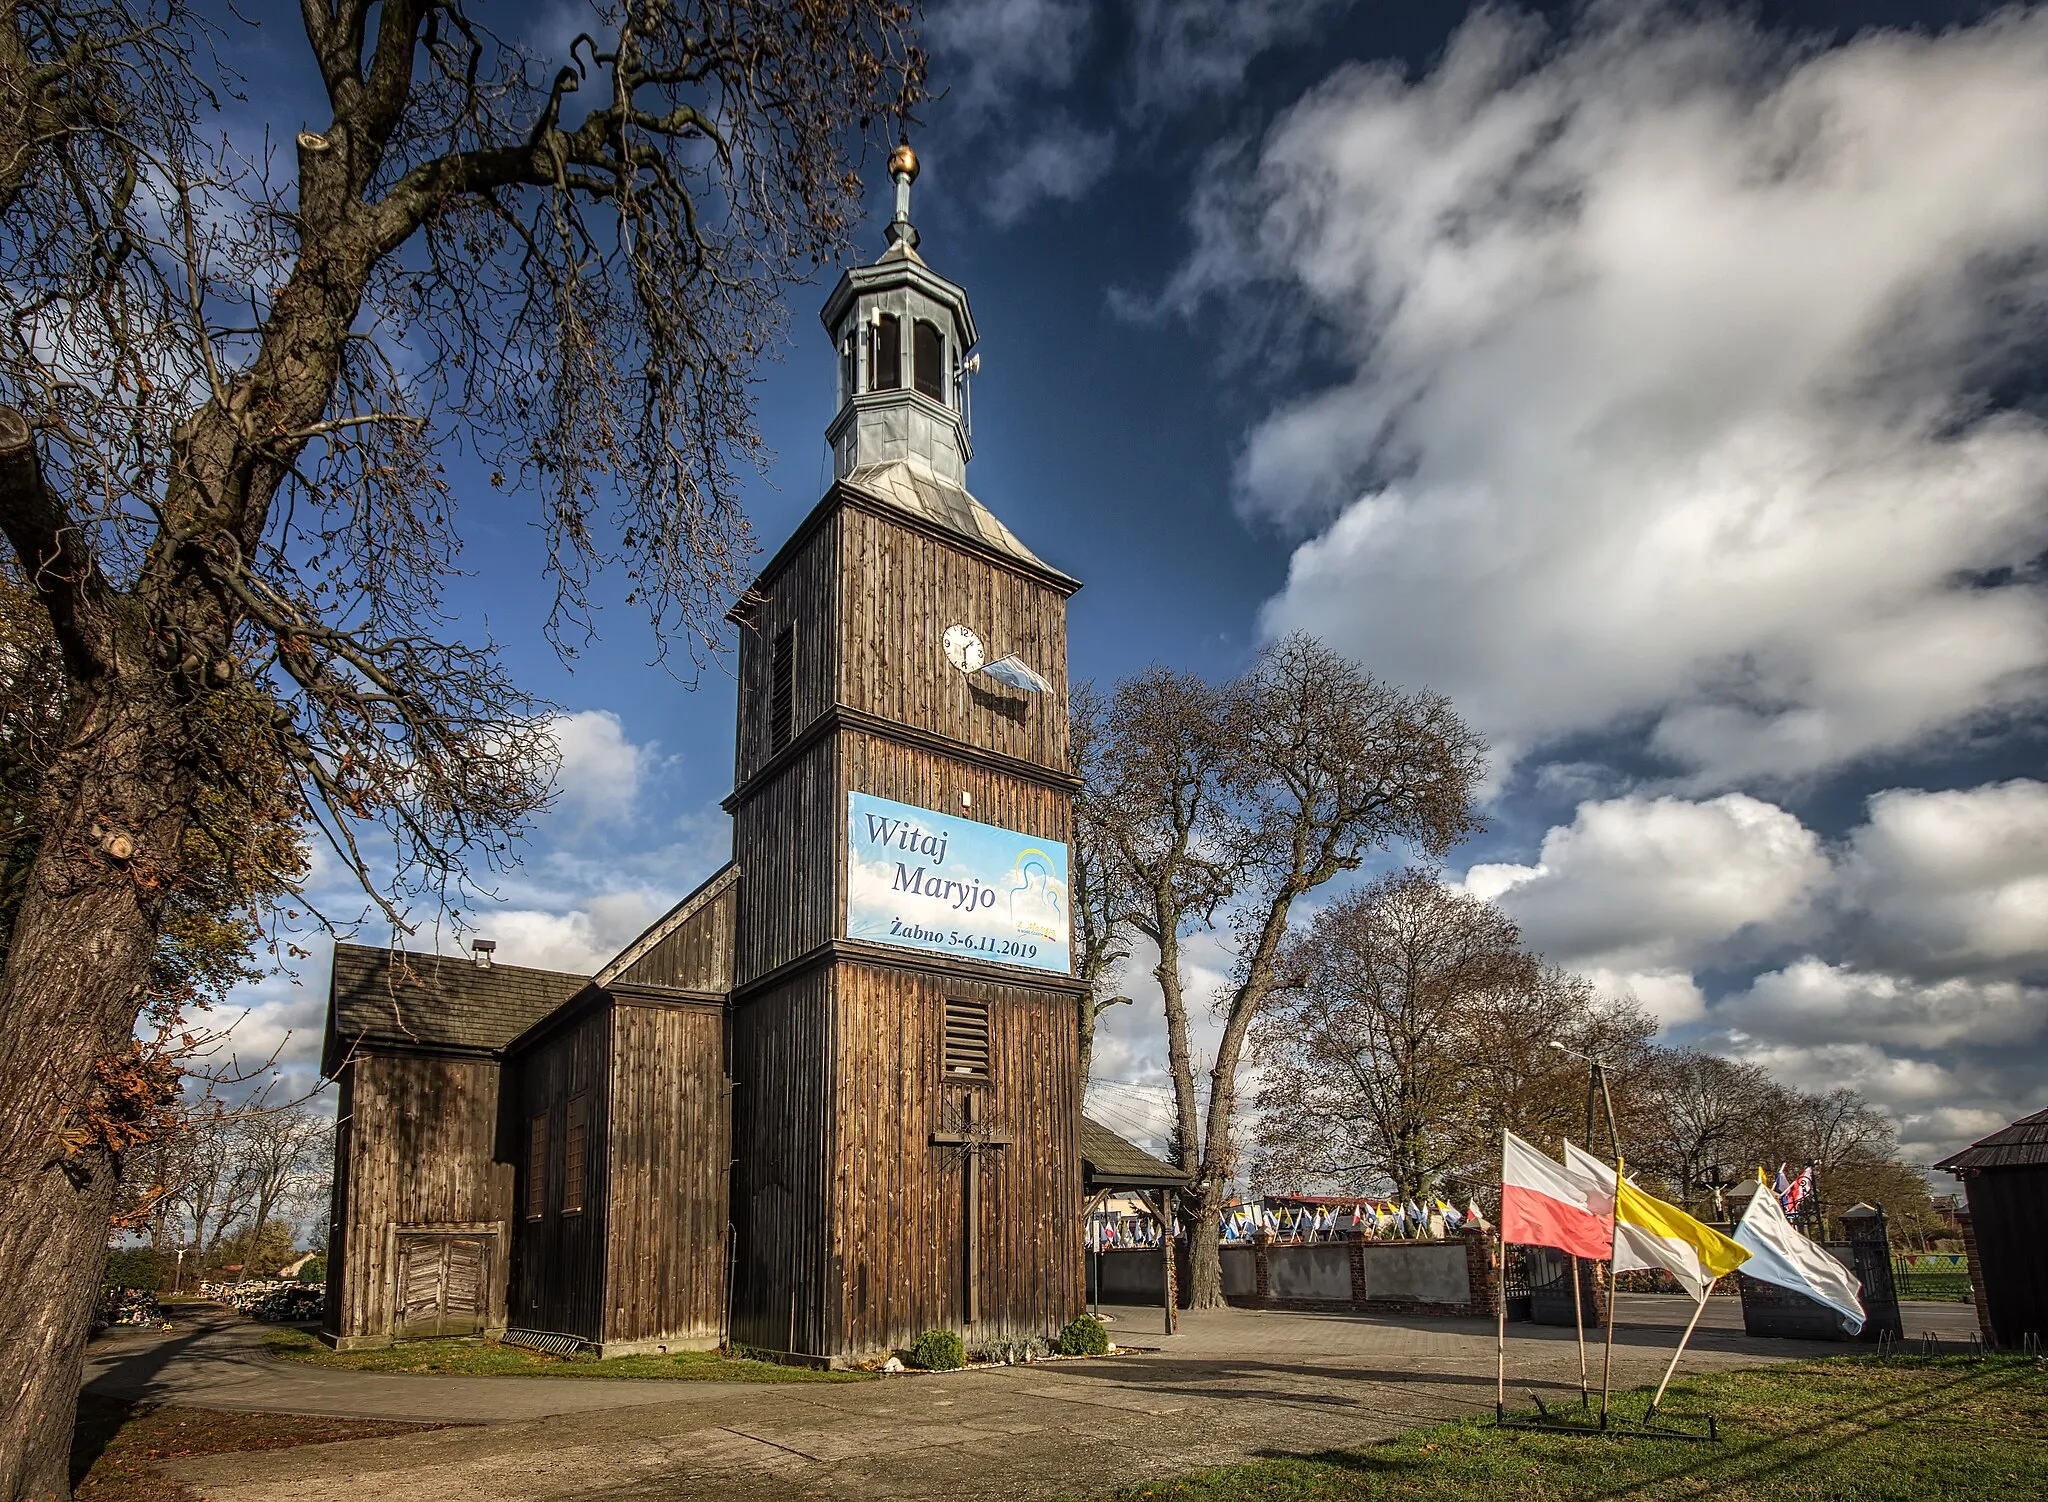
(902, 1029)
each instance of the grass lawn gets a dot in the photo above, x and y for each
(115, 1445)
(1931, 1430)
(489, 1358)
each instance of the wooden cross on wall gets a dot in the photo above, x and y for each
(972, 1138)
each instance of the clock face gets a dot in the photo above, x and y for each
(963, 649)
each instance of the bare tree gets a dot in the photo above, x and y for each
(1366, 1047)
(1159, 801)
(1246, 798)
(227, 388)
(1708, 1113)
(287, 1152)
(218, 1186)
(1516, 1079)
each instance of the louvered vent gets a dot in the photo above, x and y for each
(536, 1166)
(967, 1039)
(575, 1150)
(782, 690)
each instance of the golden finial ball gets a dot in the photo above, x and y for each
(903, 162)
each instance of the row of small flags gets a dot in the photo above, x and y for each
(1383, 1218)
(1380, 1218)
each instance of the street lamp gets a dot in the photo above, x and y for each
(1596, 1081)
(1596, 1089)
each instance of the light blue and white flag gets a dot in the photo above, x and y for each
(1779, 1254)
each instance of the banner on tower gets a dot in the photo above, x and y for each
(926, 880)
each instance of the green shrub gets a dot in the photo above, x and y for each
(314, 1271)
(1085, 1336)
(133, 1267)
(938, 1351)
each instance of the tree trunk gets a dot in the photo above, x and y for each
(76, 976)
(1205, 1251)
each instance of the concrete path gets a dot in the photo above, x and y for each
(1235, 1383)
(214, 1358)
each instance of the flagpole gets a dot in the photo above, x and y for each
(1614, 1141)
(1579, 1319)
(1500, 1295)
(1681, 1349)
(1607, 1360)
(1500, 1347)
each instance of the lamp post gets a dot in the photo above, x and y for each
(1596, 1091)
(1596, 1095)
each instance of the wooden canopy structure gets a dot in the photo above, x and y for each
(1112, 1164)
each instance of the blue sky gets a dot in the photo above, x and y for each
(1663, 385)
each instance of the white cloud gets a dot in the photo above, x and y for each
(1646, 889)
(601, 769)
(1183, 50)
(1668, 342)
(1061, 163)
(988, 52)
(1813, 1002)
(1955, 878)
(1670, 995)
(1940, 1105)
(579, 940)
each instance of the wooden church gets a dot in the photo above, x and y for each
(830, 1100)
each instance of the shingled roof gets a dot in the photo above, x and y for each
(428, 1001)
(2024, 1144)
(1112, 1162)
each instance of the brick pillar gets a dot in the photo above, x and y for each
(1968, 1230)
(1262, 1269)
(1355, 1240)
(1480, 1269)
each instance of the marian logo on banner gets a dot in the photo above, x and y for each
(927, 880)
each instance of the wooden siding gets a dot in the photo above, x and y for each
(927, 779)
(338, 1204)
(801, 594)
(697, 956)
(899, 590)
(422, 1142)
(782, 1145)
(2009, 1215)
(785, 839)
(558, 1260)
(898, 1207)
(670, 1165)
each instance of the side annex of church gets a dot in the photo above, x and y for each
(830, 1100)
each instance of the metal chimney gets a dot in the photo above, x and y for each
(483, 949)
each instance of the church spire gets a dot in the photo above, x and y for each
(905, 344)
(903, 171)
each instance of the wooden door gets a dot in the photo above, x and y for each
(441, 1284)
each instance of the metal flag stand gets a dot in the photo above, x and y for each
(1646, 1428)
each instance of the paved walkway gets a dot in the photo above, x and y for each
(1235, 1383)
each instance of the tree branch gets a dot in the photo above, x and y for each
(52, 550)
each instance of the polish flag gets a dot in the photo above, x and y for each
(1543, 1203)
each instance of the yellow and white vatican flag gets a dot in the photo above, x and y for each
(1648, 1233)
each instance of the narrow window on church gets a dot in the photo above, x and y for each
(928, 365)
(966, 1054)
(574, 1148)
(849, 366)
(888, 353)
(782, 690)
(537, 1166)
